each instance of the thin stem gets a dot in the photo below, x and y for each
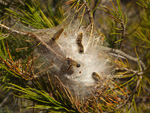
(33, 35)
(123, 54)
(123, 33)
(88, 11)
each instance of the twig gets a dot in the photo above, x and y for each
(134, 91)
(123, 54)
(131, 96)
(12, 30)
(88, 11)
(127, 71)
(30, 34)
(123, 33)
(139, 74)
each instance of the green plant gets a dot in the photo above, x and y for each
(48, 92)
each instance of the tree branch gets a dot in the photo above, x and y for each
(30, 34)
(119, 52)
(88, 11)
(116, 51)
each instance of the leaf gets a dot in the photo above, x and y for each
(119, 8)
(119, 40)
(39, 96)
(49, 23)
(134, 104)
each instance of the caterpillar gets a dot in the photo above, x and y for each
(57, 34)
(79, 43)
(96, 76)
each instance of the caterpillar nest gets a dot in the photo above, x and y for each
(76, 58)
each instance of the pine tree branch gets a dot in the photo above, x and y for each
(116, 51)
(119, 52)
(33, 35)
(88, 11)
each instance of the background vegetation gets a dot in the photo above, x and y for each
(125, 26)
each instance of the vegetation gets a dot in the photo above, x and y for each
(122, 31)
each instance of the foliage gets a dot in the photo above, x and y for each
(30, 13)
(118, 32)
(16, 68)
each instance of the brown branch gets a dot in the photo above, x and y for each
(116, 51)
(12, 30)
(88, 11)
(123, 69)
(32, 35)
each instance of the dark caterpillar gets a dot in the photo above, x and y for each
(57, 34)
(96, 76)
(79, 43)
(72, 62)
